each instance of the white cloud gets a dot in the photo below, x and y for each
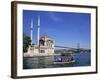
(54, 17)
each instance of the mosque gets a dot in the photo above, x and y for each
(44, 45)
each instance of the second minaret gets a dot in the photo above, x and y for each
(38, 32)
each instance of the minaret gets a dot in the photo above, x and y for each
(31, 28)
(38, 32)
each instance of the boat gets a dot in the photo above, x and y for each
(64, 59)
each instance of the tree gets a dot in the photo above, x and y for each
(26, 42)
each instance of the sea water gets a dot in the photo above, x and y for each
(81, 59)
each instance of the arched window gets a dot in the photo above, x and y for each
(41, 42)
(42, 51)
(49, 43)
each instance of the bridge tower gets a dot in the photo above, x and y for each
(78, 45)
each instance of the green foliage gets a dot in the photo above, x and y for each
(26, 42)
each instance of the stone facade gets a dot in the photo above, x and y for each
(45, 47)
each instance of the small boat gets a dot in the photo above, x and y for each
(64, 59)
(64, 62)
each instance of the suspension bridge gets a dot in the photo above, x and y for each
(78, 49)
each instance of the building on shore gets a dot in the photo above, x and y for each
(44, 45)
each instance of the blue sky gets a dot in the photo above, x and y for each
(66, 28)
